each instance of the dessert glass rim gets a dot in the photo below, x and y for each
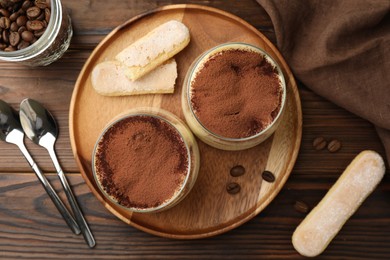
(177, 192)
(235, 45)
(44, 42)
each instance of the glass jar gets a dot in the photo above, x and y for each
(51, 45)
(196, 124)
(159, 117)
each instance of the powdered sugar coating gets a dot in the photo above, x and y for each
(162, 39)
(324, 222)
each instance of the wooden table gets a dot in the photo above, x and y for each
(30, 226)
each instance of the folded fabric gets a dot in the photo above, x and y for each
(341, 50)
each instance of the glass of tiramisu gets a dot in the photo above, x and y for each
(147, 160)
(233, 96)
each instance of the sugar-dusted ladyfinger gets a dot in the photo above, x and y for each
(323, 223)
(108, 78)
(154, 48)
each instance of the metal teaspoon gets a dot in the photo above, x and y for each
(40, 126)
(11, 132)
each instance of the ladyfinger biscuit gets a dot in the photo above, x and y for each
(323, 223)
(108, 78)
(153, 49)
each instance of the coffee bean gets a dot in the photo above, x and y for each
(27, 4)
(23, 44)
(3, 46)
(5, 22)
(39, 33)
(301, 207)
(41, 17)
(34, 25)
(47, 14)
(21, 12)
(5, 37)
(41, 3)
(21, 20)
(233, 188)
(14, 38)
(4, 12)
(33, 12)
(334, 146)
(14, 27)
(10, 48)
(268, 176)
(21, 29)
(13, 16)
(319, 143)
(27, 36)
(237, 170)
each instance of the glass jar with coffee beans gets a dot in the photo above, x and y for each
(33, 32)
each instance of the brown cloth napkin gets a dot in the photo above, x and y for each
(341, 50)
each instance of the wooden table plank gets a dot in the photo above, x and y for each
(29, 223)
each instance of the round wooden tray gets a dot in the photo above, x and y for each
(208, 210)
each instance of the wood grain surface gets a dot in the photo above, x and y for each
(31, 228)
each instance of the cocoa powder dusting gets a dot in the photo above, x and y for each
(141, 161)
(236, 93)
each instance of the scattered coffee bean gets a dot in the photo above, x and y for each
(14, 38)
(334, 146)
(233, 188)
(237, 171)
(319, 143)
(268, 176)
(301, 207)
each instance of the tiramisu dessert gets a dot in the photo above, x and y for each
(144, 163)
(233, 96)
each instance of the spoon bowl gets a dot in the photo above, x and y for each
(9, 122)
(38, 124)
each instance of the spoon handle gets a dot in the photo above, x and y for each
(50, 191)
(73, 202)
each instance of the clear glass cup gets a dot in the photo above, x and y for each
(206, 135)
(192, 155)
(51, 45)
